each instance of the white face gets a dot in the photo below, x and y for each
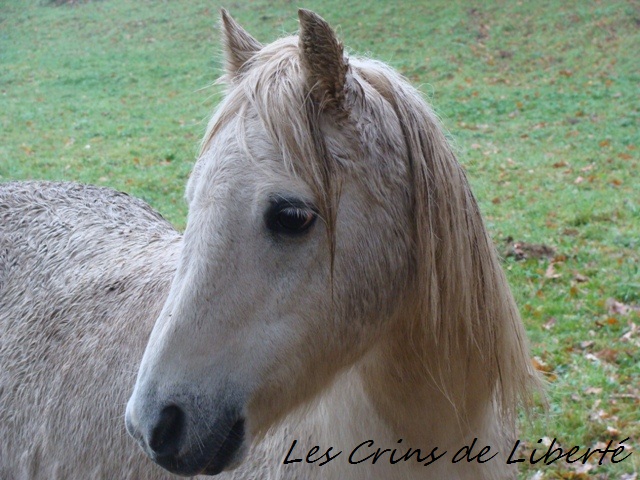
(253, 326)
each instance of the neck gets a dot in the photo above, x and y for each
(387, 402)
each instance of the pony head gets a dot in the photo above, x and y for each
(328, 219)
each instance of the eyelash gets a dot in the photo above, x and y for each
(290, 218)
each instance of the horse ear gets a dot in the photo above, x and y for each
(239, 46)
(322, 59)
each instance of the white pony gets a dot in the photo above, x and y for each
(337, 310)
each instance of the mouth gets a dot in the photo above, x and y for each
(209, 460)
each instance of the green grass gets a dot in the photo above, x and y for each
(541, 98)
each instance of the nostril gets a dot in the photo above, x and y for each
(167, 433)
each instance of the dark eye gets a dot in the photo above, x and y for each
(294, 219)
(290, 218)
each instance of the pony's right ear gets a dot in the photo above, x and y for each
(239, 46)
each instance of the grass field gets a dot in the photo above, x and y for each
(542, 100)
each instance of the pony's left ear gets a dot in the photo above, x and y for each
(239, 46)
(323, 60)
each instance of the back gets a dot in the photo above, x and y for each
(84, 272)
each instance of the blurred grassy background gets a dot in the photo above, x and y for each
(541, 99)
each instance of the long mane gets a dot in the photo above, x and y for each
(465, 308)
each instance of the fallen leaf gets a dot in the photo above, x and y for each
(592, 357)
(615, 307)
(540, 365)
(524, 250)
(614, 432)
(597, 416)
(608, 355)
(633, 335)
(578, 277)
(551, 272)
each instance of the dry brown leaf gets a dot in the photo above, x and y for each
(578, 277)
(633, 335)
(596, 416)
(524, 250)
(615, 307)
(607, 355)
(614, 432)
(551, 272)
(540, 365)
